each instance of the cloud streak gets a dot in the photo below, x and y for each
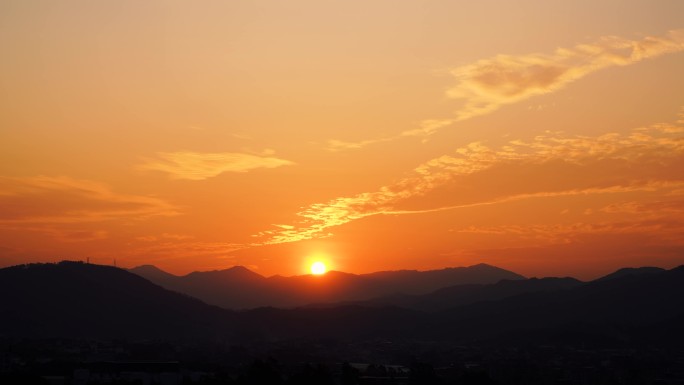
(642, 208)
(65, 200)
(488, 84)
(566, 233)
(654, 145)
(199, 166)
(180, 249)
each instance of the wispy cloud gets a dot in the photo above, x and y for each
(488, 84)
(610, 242)
(200, 166)
(64, 235)
(565, 233)
(637, 186)
(653, 145)
(183, 249)
(641, 208)
(53, 200)
(163, 236)
(424, 129)
(341, 145)
(71, 210)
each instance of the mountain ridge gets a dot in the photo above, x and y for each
(92, 301)
(85, 300)
(240, 288)
(458, 295)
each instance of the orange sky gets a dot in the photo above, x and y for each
(542, 137)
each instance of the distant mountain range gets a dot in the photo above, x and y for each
(637, 306)
(459, 295)
(240, 288)
(72, 299)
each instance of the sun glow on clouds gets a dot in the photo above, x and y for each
(303, 138)
(48, 199)
(659, 145)
(488, 84)
(199, 166)
(504, 79)
(72, 210)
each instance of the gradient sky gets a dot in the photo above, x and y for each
(544, 137)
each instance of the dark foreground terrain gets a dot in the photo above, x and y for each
(75, 323)
(58, 361)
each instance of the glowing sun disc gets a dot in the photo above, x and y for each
(318, 268)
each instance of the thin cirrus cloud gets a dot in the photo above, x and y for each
(657, 207)
(544, 234)
(606, 239)
(169, 245)
(199, 166)
(69, 210)
(199, 255)
(426, 128)
(648, 147)
(65, 200)
(184, 249)
(488, 84)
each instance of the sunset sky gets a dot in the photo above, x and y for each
(544, 137)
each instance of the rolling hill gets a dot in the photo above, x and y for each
(83, 300)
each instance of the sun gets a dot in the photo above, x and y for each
(318, 268)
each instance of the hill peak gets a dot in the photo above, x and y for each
(152, 273)
(240, 268)
(235, 272)
(483, 266)
(488, 267)
(148, 268)
(627, 271)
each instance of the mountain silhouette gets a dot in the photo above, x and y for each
(459, 295)
(240, 288)
(75, 299)
(626, 307)
(626, 310)
(153, 273)
(631, 271)
(71, 299)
